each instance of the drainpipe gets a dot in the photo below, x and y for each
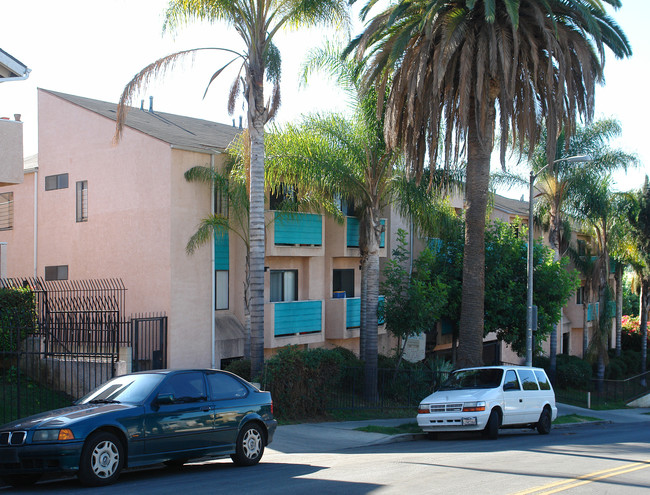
(212, 263)
(36, 223)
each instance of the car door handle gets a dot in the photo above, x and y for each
(205, 408)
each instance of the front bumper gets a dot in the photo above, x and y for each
(458, 421)
(46, 458)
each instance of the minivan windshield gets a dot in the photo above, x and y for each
(472, 379)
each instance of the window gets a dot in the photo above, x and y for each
(580, 295)
(347, 207)
(59, 272)
(343, 280)
(6, 211)
(221, 200)
(542, 379)
(185, 387)
(221, 284)
(82, 201)
(528, 380)
(284, 285)
(582, 248)
(283, 193)
(56, 182)
(511, 382)
(224, 386)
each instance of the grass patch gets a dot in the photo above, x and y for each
(32, 397)
(392, 430)
(574, 418)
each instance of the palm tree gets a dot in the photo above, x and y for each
(639, 218)
(256, 22)
(561, 180)
(453, 63)
(332, 158)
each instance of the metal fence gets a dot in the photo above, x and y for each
(396, 389)
(78, 337)
(612, 392)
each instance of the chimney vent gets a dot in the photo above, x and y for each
(141, 104)
(233, 122)
(240, 119)
(151, 104)
(17, 117)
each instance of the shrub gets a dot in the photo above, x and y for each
(302, 382)
(240, 367)
(571, 371)
(17, 317)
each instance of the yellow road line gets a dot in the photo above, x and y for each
(586, 478)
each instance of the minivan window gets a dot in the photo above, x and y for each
(511, 382)
(528, 380)
(542, 379)
(470, 379)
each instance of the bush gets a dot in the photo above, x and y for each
(17, 317)
(240, 367)
(302, 382)
(571, 371)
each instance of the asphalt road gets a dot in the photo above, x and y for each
(594, 459)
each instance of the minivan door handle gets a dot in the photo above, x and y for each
(205, 408)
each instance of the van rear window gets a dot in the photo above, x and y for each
(542, 379)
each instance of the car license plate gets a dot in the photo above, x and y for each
(468, 421)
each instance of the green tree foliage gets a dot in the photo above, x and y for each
(505, 284)
(414, 302)
(17, 317)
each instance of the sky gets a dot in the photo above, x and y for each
(94, 48)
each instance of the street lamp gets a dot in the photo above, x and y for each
(529, 300)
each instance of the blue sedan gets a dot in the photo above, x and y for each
(139, 419)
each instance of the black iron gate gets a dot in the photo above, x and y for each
(145, 336)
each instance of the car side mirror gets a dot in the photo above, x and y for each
(164, 399)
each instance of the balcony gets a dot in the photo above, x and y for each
(343, 240)
(11, 158)
(294, 322)
(343, 317)
(294, 234)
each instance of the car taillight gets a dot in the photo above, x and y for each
(473, 406)
(271, 408)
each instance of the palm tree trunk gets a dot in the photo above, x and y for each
(479, 148)
(585, 329)
(369, 239)
(256, 118)
(643, 321)
(552, 353)
(363, 297)
(618, 277)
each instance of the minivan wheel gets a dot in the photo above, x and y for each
(491, 430)
(544, 424)
(250, 445)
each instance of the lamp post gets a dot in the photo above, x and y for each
(529, 298)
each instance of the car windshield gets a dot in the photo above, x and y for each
(472, 379)
(129, 389)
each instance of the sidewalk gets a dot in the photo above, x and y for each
(335, 436)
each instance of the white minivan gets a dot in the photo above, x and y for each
(488, 398)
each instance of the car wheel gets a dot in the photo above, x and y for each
(102, 459)
(21, 480)
(250, 445)
(544, 424)
(491, 430)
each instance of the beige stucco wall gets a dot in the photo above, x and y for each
(128, 232)
(19, 251)
(11, 152)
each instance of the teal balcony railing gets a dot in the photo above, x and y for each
(353, 233)
(297, 317)
(221, 251)
(353, 312)
(298, 228)
(592, 311)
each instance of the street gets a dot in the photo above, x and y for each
(578, 459)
